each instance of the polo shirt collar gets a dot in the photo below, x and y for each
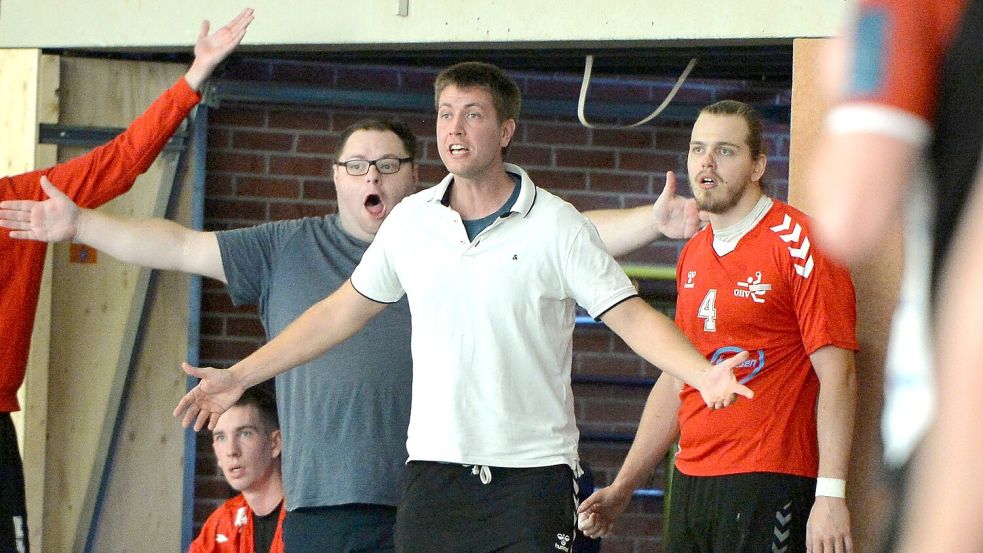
(523, 204)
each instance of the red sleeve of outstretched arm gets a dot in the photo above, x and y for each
(109, 170)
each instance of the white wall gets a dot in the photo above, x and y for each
(174, 23)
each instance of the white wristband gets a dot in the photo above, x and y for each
(830, 487)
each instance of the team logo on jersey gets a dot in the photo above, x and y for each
(798, 249)
(689, 279)
(751, 287)
(754, 364)
(241, 517)
(561, 542)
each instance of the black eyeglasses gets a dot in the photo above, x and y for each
(386, 165)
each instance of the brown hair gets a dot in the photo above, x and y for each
(755, 129)
(755, 135)
(265, 404)
(404, 133)
(504, 92)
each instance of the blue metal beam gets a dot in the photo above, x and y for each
(199, 150)
(219, 90)
(74, 135)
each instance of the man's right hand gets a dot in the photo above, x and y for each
(217, 391)
(719, 387)
(53, 220)
(598, 513)
(676, 216)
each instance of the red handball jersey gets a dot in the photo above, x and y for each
(897, 50)
(230, 530)
(781, 300)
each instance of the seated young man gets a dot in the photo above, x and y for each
(246, 440)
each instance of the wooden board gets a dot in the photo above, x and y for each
(141, 508)
(876, 281)
(35, 400)
(97, 309)
(19, 71)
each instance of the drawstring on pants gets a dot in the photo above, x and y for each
(482, 472)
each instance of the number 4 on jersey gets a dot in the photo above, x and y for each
(708, 311)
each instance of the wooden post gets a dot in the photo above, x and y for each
(876, 281)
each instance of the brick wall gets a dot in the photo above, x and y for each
(269, 162)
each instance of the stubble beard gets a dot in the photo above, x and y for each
(719, 200)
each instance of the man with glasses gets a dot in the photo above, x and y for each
(386, 166)
(343, 416)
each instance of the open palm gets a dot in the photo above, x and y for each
(212, 48)
(217, 390)
(720, 387)
(51, 220)
(676, 216)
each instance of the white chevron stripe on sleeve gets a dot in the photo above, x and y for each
(800, 252)
(786, 224)
(805, 270)
(792, 236)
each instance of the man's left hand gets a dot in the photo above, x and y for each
(828, 529)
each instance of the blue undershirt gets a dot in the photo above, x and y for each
(475, 226)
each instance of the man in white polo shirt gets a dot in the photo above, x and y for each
(493, 268)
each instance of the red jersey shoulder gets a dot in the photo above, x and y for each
(702, 236)
(788, 231)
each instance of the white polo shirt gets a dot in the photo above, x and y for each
(493, 322)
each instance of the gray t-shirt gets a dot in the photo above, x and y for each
(344, 415)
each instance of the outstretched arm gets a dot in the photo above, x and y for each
(654, 337)
(154, 243)
(849, 170)
(323, 326)
(656, 433)
(625, 230)
(828, 528)
(110, 170)
(212, 49)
